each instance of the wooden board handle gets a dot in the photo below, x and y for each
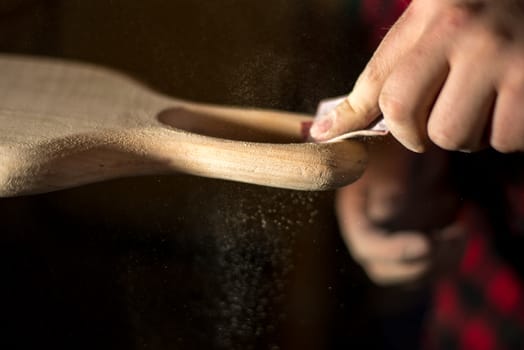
(65, 124)
(97, 157)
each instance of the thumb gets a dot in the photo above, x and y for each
(361, 106)
(355, 112)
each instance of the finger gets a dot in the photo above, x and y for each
(360, 108)
(449, 243)
(393, 273)
(507, 134)
(379, 246)
(366, 241)
(463, 109)
(409, 92)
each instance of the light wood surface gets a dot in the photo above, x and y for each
(64, 124)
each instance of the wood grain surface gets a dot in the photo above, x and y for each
(64, 124)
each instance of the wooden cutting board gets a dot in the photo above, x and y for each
(64, 124)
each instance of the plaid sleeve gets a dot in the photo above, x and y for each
(481, 305)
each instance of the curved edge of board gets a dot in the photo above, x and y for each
(67, 124)
(89, 158)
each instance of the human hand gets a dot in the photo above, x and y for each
(450, 72)
(399, 219)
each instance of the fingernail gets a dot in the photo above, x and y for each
(321, 126)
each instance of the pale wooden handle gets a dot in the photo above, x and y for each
(154, 150)
(291, 163)
(65, 124)
(293, 166)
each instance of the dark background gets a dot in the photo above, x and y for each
(179, 262)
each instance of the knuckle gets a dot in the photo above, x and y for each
(445, 138)
(505, 144)
(507, 134)
(393, 109)
(362, 104)
(461, 14)
(375, 71)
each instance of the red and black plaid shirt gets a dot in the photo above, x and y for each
(480, 306)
